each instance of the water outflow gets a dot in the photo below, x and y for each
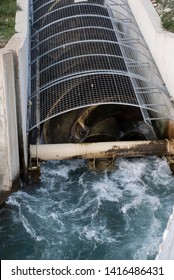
(77, 214)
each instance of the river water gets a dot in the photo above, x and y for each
(73, 213)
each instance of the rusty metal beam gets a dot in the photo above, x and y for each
(102, 150)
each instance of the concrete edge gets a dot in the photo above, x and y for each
(154, 17)
(159, 41)
(21, 27)
(166, 248)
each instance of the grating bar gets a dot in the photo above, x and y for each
(87, 53)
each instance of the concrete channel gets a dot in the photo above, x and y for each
(19, 105)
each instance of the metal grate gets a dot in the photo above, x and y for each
(90, 52)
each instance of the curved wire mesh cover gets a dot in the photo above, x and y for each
(87, 52)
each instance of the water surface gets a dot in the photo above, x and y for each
(73, 213)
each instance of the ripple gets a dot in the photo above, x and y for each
(73, 213)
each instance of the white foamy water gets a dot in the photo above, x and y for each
(73, 213)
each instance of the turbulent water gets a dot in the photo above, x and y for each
(73, 213)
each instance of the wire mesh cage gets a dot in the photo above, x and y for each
(90, 52)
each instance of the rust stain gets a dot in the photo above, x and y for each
(152, 148)
(170, 129)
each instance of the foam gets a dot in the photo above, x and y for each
(151, 241)
(78, 212)
(99, 234)
(29, 229)
(106, 189)
(61, 169)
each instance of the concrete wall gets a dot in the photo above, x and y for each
(166, 249)
(19, 44)
(9, 159)
(159, 41)
(13, 94)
